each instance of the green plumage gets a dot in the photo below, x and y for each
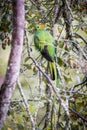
(44, 42)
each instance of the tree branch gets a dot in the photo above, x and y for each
(78, 114)
(26, 104)
(80, 37)
(14, 59)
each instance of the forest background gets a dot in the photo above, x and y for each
(28, 97)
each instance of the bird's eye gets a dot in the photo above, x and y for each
(37, 27)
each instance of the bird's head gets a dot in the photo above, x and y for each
(39, 27)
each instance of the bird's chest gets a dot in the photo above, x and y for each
(40, 40)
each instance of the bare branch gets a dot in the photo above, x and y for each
(57, 12)
(79, 47)
(68, 6)
(78, 114)
(80, 37)
(26, 104)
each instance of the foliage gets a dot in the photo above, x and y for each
(67, 21)
(5, 23)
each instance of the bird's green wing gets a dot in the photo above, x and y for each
(44, 41)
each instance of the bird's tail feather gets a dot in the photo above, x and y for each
(53, 72)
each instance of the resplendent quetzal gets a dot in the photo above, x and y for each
(44, 42)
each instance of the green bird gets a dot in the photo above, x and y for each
(44, 42)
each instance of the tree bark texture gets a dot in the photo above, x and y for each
(14, 59)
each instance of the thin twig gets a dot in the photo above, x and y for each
(80, 37)
(78, 114)
(80, 48)
(68, 6)
(26, 104)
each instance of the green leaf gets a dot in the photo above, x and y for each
(26, 59)
(61, 44)
(67, 79)
(27, 66)
(20, 126)
(60, 61)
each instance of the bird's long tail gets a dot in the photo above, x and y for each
(53, 72)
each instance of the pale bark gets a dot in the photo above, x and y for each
(14, 59)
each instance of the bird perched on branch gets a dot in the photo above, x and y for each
(44, 42)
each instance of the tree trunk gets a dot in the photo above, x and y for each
(14, 59)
